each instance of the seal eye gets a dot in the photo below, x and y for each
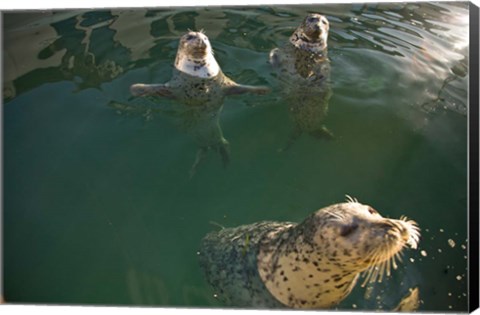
(348, 229)
(324, 22)
(190, 37)
(372, 211)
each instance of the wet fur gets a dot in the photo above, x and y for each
(314, 264)
(303, 70)
(200, 85)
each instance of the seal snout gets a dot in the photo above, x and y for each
(393, 229)
(195, 44)
(312, 34)
(399, 233)
(315, 27)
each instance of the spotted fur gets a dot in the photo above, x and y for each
(303, 70)
(200, 85)
(314, 264)
(197, 78)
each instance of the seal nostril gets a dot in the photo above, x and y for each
(348, 229)
(386, 225)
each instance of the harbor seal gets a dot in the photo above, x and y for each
(199, 84)
(197, 78)
(303, 70)
(313, 264)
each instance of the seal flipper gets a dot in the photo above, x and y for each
(201, 154)
(221, 148)
(140, 89)
(224, 152)
(241, 89)
(297, 132)
(322, 133)
(409, 302)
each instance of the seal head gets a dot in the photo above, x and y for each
(316, 263)
(312, 34)
(195, 56)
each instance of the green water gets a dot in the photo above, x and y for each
(98, 204)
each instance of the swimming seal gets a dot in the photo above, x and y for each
(303, 70)
(197, 79)
(200, 85)
(313, 264)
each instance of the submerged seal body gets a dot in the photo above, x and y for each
(197, 78)
(199, 84)
(313, 264)
(303, 69)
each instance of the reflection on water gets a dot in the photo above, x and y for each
(72, 49)
(397, 106)
(427, 41)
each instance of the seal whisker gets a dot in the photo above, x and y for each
(399, 256)
(368, 272)
(351, 199)
(413, 232)
(381, 266)
(379, 275)
(366, 275)
(379, 270)
(394, 263)
(336, 215)
(312, 264)
(388, 262)
(371, 273)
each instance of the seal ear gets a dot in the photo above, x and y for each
(241, 89)
(141, 89)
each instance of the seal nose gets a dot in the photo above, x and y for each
(196, 39)
(404, 232)
(386, 225)
(395, 227)
(314, 31)
(201, 42)
(199, 46)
